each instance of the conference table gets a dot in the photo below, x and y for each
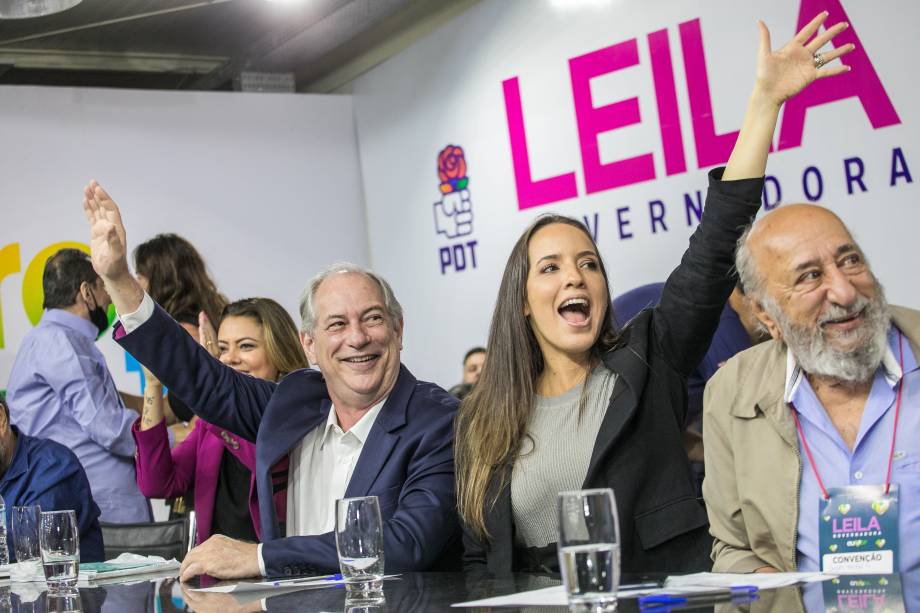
(162, 593)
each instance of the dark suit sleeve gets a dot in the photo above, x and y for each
(415, 532)
(696, 291)
(216, 392)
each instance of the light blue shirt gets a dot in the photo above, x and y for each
(61, 389)
(867, 463)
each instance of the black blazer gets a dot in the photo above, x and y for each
(639, 449)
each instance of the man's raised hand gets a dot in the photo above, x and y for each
(107, 233)
(109, 249)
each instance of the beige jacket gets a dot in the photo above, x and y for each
(753, 466)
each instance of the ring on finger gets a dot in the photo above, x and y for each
(819, 60)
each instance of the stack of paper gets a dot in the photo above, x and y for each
(125, 565)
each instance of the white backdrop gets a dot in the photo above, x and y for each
(447, 89)
(266, 186)
(270, 188)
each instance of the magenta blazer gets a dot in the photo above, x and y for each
(195, 463)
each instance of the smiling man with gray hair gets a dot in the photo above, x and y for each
(811, 439)
(361, 426)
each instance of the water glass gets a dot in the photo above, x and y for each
(359, 541)
(25, 523)
(362, 606)
(63, 601)
(59, 540)
(589, 548)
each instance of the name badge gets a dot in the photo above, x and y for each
(858, 532)
(869, 593)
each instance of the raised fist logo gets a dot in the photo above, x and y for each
(453, 214)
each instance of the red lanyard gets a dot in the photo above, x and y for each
(894, 436)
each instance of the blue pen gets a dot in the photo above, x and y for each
(670, 600)
(335, 577)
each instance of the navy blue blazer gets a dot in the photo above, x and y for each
(407, 460)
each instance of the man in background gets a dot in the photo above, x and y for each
(472, 369)
(61, 389)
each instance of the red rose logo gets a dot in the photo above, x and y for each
(452, 169)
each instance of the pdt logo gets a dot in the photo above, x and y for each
(453, 213)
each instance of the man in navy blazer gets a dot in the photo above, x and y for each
(365, 426)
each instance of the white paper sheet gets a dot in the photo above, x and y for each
(764, 581)
(554, 595)
(266, 586)
(284, 584)
(548, 596)
(684, 584)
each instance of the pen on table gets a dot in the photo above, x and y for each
(734, 601)
(656, 600)
(335, 577)
(330, 578)
(645, 585)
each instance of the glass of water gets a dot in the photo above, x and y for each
(25, 524)
(359, 540)
(589, 548)
(59, 540)
(63, 601)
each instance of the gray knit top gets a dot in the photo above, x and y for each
(555, 455)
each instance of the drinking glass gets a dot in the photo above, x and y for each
(589, 548)
(60, 545)
(362, 606)
(359, 541)
(25, 523)
(63, 601)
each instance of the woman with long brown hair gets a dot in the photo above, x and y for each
(171, 270)
(564, 402)
(255, 336)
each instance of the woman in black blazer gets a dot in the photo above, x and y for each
(551, 333)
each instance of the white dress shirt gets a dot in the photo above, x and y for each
(132, 321)
(320, 469)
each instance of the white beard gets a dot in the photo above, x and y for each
(818, 356)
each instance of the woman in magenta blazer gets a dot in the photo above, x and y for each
(256, 336)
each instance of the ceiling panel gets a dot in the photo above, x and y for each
(200, 44)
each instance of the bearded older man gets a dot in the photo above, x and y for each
(811, 439)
